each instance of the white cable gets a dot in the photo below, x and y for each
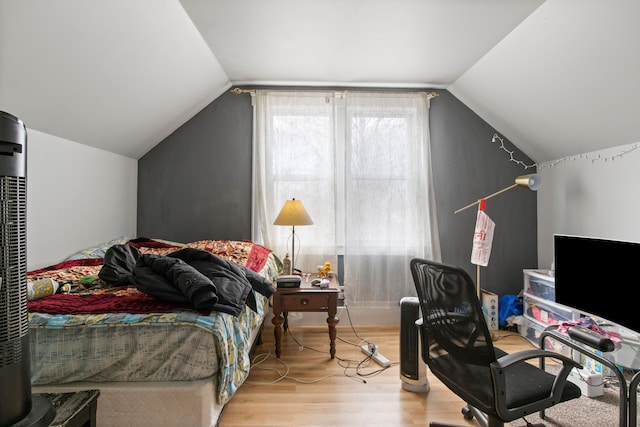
(285, 376)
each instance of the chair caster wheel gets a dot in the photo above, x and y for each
(466, 412)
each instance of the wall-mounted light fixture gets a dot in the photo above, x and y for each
(533, 182)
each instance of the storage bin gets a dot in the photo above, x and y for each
(596, 367)
(532, 330)
(540, 283)
(546, 312)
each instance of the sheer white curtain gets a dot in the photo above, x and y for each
(360, 163)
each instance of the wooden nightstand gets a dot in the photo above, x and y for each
(306, 298)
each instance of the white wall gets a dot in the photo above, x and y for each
(77, 197)
(595, 194)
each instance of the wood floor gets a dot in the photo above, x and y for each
(307, 388)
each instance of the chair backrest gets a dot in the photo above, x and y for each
(453, 322)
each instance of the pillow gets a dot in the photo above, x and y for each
(98, 251)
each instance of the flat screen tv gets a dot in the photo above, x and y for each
(599, 277)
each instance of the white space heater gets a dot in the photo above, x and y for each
(17, 406)
(413, 370)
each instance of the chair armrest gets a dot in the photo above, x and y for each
(503, 364)
(522, 356)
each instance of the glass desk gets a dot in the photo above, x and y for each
(626, 355)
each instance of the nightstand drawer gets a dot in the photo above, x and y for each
(305, 301)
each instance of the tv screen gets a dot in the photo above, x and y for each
(599, 278)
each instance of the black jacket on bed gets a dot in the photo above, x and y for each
(187, 276)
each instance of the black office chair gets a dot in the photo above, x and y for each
(458, 349)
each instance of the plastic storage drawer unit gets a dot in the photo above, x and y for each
(545, 312)
(532, 330)
(540, 283)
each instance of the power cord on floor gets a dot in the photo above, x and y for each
(353, 369)
(346, 307)
(509, 334)
(370, 348)
(531, 424)
(362, 340)
(261, 358)
(301, 346)
(365, 362)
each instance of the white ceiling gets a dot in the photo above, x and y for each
(556, 77)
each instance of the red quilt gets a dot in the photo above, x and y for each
(115, 300)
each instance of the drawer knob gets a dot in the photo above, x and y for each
(304, 301)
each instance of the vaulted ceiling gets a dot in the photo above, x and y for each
(555, 77)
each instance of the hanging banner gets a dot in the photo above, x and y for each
(482, 237)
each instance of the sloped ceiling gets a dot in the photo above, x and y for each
(556, 77)
(119, 75)
(565, 82)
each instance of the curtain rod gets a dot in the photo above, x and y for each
(253, 91)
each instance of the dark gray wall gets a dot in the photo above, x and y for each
(196, 185)
(466, 167)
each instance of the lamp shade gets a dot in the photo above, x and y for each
(533, 181)
(293, 213)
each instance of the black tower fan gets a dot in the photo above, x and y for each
(413, 370)
(17, 406)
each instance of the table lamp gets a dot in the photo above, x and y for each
(293, 213)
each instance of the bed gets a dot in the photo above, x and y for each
(155, 362)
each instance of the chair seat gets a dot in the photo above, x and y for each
(474, 385)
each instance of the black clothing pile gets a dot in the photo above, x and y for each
(187, 276)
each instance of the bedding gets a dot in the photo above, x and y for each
(100, 334)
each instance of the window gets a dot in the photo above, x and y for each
(360, 164)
